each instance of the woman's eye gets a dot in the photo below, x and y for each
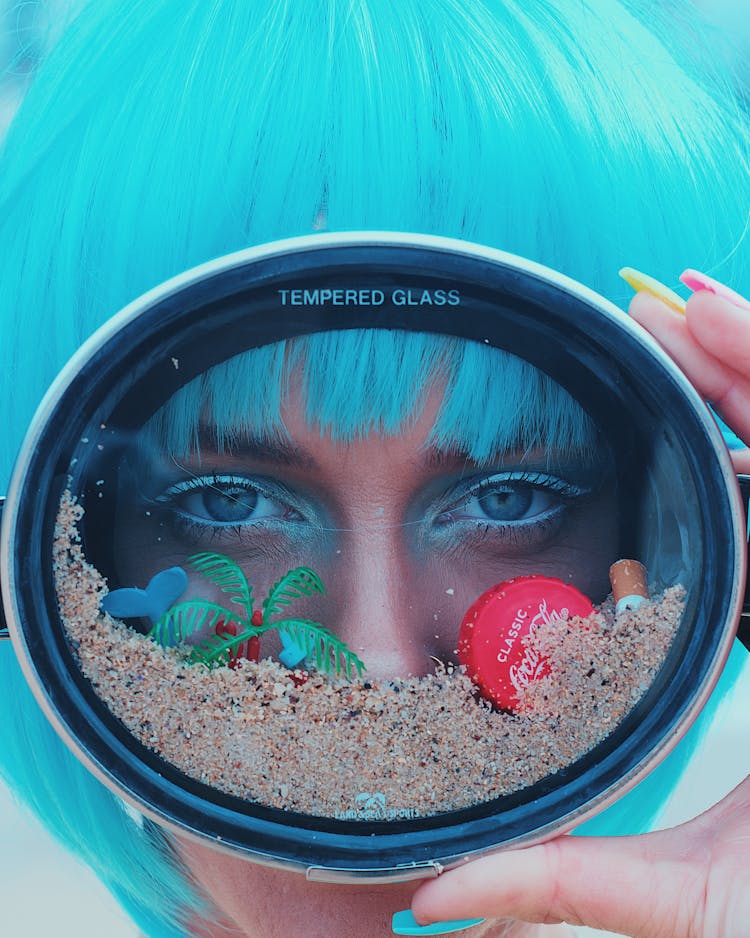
(511, 505)
(509, 501)
(226, 502)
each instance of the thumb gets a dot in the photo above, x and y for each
(644, 886)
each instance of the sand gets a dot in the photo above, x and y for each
(366, 749)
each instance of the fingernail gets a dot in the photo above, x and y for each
(697, 281)
(404, 923)
(639, 281)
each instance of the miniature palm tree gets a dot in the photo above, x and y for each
(315, 641)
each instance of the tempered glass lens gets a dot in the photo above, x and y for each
(364, 573)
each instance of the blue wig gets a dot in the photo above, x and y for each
(160, 133)
(382, 381)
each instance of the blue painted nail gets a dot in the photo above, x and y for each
(404, 923)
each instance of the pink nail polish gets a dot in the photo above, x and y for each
(697, 281)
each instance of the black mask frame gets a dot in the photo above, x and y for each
(582, 341)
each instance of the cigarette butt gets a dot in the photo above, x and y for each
(629, 586)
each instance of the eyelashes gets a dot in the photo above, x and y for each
(514, 509)
(509, 498)
(229, 501)
(506, 511)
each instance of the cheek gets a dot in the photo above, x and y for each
(580, 552)
(589, 547)
(422, 588)
(142, 547)
(277, 903)
(145, 546)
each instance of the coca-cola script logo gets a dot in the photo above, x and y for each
(532, 665)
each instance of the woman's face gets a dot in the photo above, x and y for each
(405, 537)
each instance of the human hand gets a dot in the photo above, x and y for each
(687, 882)
(711, 344)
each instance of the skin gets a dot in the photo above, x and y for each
(259, 902)
(688, 882)
(401, 560)
(397, 591)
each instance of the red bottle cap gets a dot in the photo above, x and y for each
(490, 642)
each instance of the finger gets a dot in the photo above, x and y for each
(639, 886)
(721, 328)
(741, 460)
(726, 388)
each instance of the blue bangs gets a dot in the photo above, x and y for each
(362, 381)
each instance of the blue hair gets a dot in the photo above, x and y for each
(382, 380)
(160, 133)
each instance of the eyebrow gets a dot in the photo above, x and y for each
(287, 453)
(435, 458)
(571, 463)
(275, 451)
(450, 457)
(261, 448)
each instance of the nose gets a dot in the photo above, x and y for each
(380, 616)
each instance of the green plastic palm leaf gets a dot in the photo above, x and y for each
(178, 623)
(227, 575)
(328, 652)
(216, 649)
(213, 651)
(299, 582)
(183, 620)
